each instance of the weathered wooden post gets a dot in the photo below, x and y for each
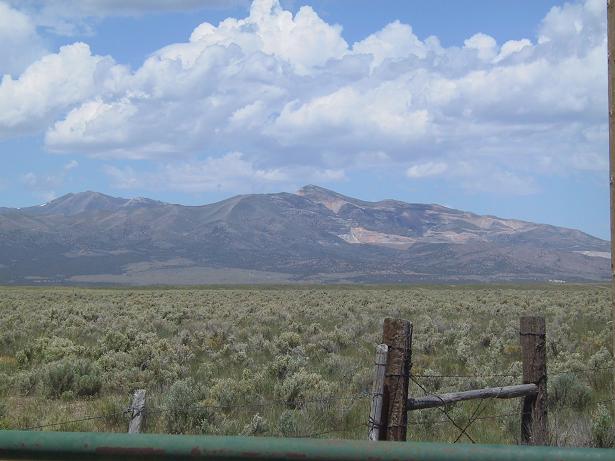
(610, 15)
(534, 423)
(375, 415)
(137, 412)
(397, 335)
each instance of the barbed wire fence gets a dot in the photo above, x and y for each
(198, 408)
(320, 426)
(476, 415)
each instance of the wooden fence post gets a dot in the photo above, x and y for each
(137, 412)
(397, 335)
(534, 422)
(610, 14)
(375, 415)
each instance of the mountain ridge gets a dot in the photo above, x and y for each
(313, 235)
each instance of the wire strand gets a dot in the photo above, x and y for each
(87, 418)
(512, 375)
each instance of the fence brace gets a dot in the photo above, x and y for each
(504, 392)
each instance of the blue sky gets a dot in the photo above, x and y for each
(492, 107)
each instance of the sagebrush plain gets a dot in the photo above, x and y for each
(295, 361)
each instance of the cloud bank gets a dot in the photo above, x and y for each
(272, 96)
(70, 17)
(21, 44)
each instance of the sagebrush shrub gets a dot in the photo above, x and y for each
(183, 410)
(288, 423)
(71, 377)
(603, 432)
(301, 387)
(252, 350)
(566, 390)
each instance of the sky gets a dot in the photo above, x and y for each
(492, 107)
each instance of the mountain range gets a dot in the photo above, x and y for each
(313, 235)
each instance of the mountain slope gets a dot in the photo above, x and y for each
(313, 235)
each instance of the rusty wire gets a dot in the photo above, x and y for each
(86, 418)
(513, 375)
(188, 410)
(443, 410)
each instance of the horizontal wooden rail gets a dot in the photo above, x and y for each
(505, 392)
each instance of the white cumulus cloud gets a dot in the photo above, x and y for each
(231, 172)
(45, 185)
(290, 94)
(485, 46)
(427, 169)
(69, 17)
(50, 86)
(20, 43)
(395, 41)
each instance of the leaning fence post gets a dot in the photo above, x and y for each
(397, 335)
(375, 414)
(137, 412)
(534, 422)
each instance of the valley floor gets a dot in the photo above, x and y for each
(295, 361)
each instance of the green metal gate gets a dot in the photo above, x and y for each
(109, 446)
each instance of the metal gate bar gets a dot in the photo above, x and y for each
(114, 446)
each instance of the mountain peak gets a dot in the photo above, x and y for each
(312, 189)
(88, 194)
(326, 197)
(75, 203)
(315, 235)
(142, 202)
(309, 188)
